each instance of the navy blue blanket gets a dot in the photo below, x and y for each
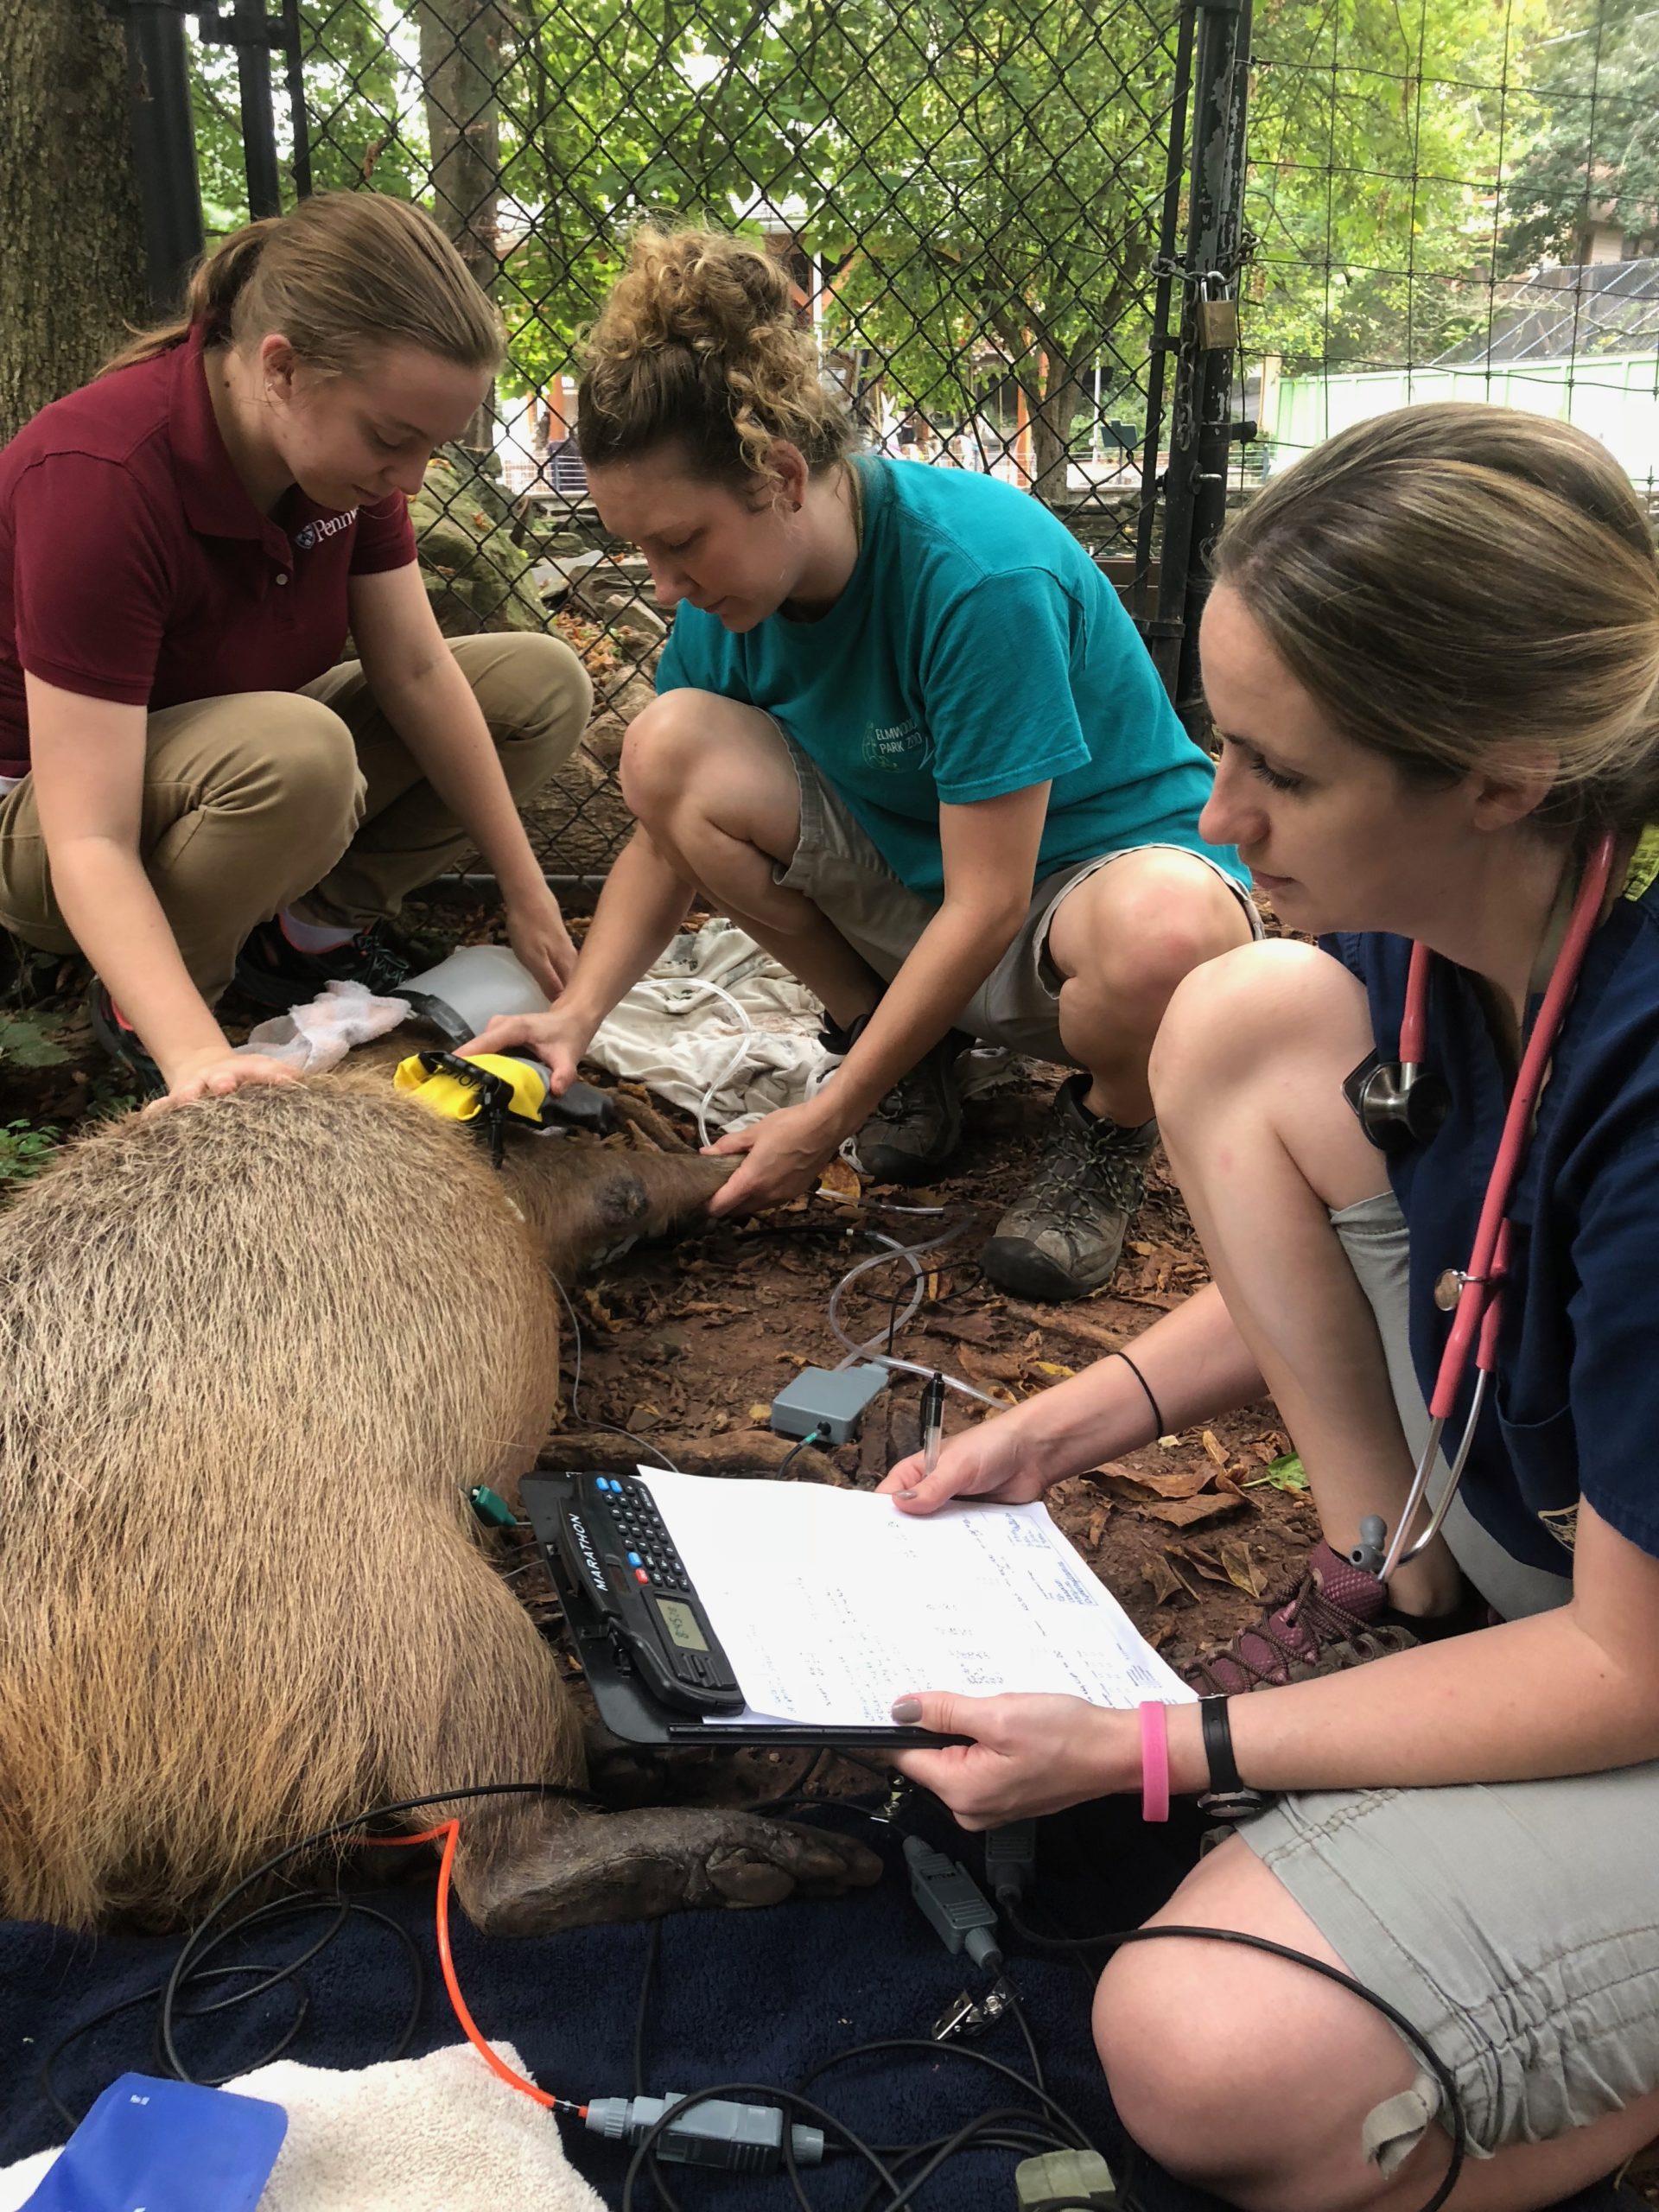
(759, 1996)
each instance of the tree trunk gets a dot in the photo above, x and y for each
(1054, 409)
(460, 79)
(72, 273)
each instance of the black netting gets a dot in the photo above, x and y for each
(988, 216)
(1453, 202)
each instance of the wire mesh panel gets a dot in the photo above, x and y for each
(971, 200)
(1455, 202)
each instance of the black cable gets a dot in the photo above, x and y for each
(196, 1945)
(1412, 2035)
(1017, 2010)
(49, 2086)
(653, 1953)
(292, 1908)
(900, 1288)
(267, 1915)
(948, 2148)
(1076, 2137)
(811, 1437)
(790, 2099)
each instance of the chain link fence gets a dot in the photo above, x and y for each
(1012, 258)
(976, 205)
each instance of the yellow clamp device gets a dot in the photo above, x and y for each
(458, 1089)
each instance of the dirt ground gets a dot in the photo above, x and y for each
(684, 1347)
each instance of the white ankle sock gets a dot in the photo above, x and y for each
(312, 937)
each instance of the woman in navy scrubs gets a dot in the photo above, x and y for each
(1432, 661)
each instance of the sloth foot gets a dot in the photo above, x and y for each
(635, 1865)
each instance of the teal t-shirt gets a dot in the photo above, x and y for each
(976, 650)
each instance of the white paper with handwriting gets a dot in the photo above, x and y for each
(831, 1602)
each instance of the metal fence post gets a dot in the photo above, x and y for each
(258, 119)
(164, 149)
(256, 34)
(1201, 438)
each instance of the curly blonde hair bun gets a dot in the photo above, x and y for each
(699, 343)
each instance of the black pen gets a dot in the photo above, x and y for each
(932, 1422)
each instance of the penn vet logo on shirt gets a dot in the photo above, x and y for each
(324, 526)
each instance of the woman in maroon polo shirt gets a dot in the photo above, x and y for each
(191, 784)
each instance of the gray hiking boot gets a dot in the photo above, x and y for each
(1061, 1238)
(915, 1129)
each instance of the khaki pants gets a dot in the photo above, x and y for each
(265, 799)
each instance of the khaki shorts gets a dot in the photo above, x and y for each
(264, 799)
(836, 866)
(1515, 1924)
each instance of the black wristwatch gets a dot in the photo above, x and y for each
(1228, 1797)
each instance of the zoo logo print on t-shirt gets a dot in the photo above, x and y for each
(901, 746)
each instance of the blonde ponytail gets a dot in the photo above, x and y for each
(1469, 589)
(340, 275)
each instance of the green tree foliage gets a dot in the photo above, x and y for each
(998, 174)
(1376, 139)
(363, 93)
(982, 184)
(1595, 159)
(612, 111)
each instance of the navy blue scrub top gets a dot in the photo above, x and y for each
(1575, 1412)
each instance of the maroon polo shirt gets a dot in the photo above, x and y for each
(135, 567)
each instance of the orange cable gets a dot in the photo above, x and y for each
(451, 1832)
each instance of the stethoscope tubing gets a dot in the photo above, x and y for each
(1474, 1324)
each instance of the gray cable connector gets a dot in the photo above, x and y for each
(743, 2139)
(954, 1904)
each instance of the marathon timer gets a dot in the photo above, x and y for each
(614, 1561)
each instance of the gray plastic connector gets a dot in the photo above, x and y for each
(953, 1904)
(742, 2138)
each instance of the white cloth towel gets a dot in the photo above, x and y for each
(690, 1047)
(677, 1038)
(673, 1033)
(413, 2135)
(313, 1038)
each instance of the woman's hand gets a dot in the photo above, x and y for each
(556, 1039)
(1032, 1753)
(991, 1461)
(787, 1151)
(536, 933)
(215, 1075)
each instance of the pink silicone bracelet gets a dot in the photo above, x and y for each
(1154, 1761)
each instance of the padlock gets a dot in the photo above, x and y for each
(1218, 316)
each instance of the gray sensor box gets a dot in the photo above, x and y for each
(830, 1399)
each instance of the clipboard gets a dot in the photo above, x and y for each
(627, 1704)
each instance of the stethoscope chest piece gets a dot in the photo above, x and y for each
(1400, 1105)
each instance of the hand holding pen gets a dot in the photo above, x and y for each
(932, 1422)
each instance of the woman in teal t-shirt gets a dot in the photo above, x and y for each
(906, 737)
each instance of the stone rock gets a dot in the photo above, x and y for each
(476, 577)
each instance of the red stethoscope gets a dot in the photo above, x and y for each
(1404, 1105)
